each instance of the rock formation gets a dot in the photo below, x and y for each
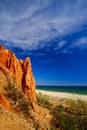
(4, 102)
(22, 72)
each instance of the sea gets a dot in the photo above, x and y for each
(82, 90)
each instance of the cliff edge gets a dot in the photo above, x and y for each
(22, 73)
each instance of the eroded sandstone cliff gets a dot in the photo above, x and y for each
(4, 102)
(22, 72)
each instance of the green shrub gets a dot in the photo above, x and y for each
(78, 106)
(17, 100)
(43, 100)
(13, 93)
(73, 117)
(24, 106)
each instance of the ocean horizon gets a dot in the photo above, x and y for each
(82, 90)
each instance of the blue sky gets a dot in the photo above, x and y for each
(53, 33)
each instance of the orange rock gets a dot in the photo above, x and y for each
(23, 73)
(8, 60)
(4, 102)
(28, 82)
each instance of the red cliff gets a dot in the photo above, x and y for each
(23, 73)
(4, 102)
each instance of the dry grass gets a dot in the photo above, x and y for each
(72, 117)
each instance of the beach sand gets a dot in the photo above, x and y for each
(62, 95)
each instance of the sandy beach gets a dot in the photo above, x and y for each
(62, 95)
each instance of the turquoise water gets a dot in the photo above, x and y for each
(70, 89)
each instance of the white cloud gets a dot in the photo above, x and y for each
(61, 44)
(82, 41)
(65, 51)
(31, 24)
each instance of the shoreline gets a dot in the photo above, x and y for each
(62, 95)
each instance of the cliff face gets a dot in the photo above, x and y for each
(4, 102)
(22, 72)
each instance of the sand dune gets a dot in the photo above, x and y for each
(62, 95)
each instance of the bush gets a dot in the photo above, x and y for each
(43, 100)
(12, 93)
(17, 100)
(73, 117)
(78, 106)
(24, 106)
